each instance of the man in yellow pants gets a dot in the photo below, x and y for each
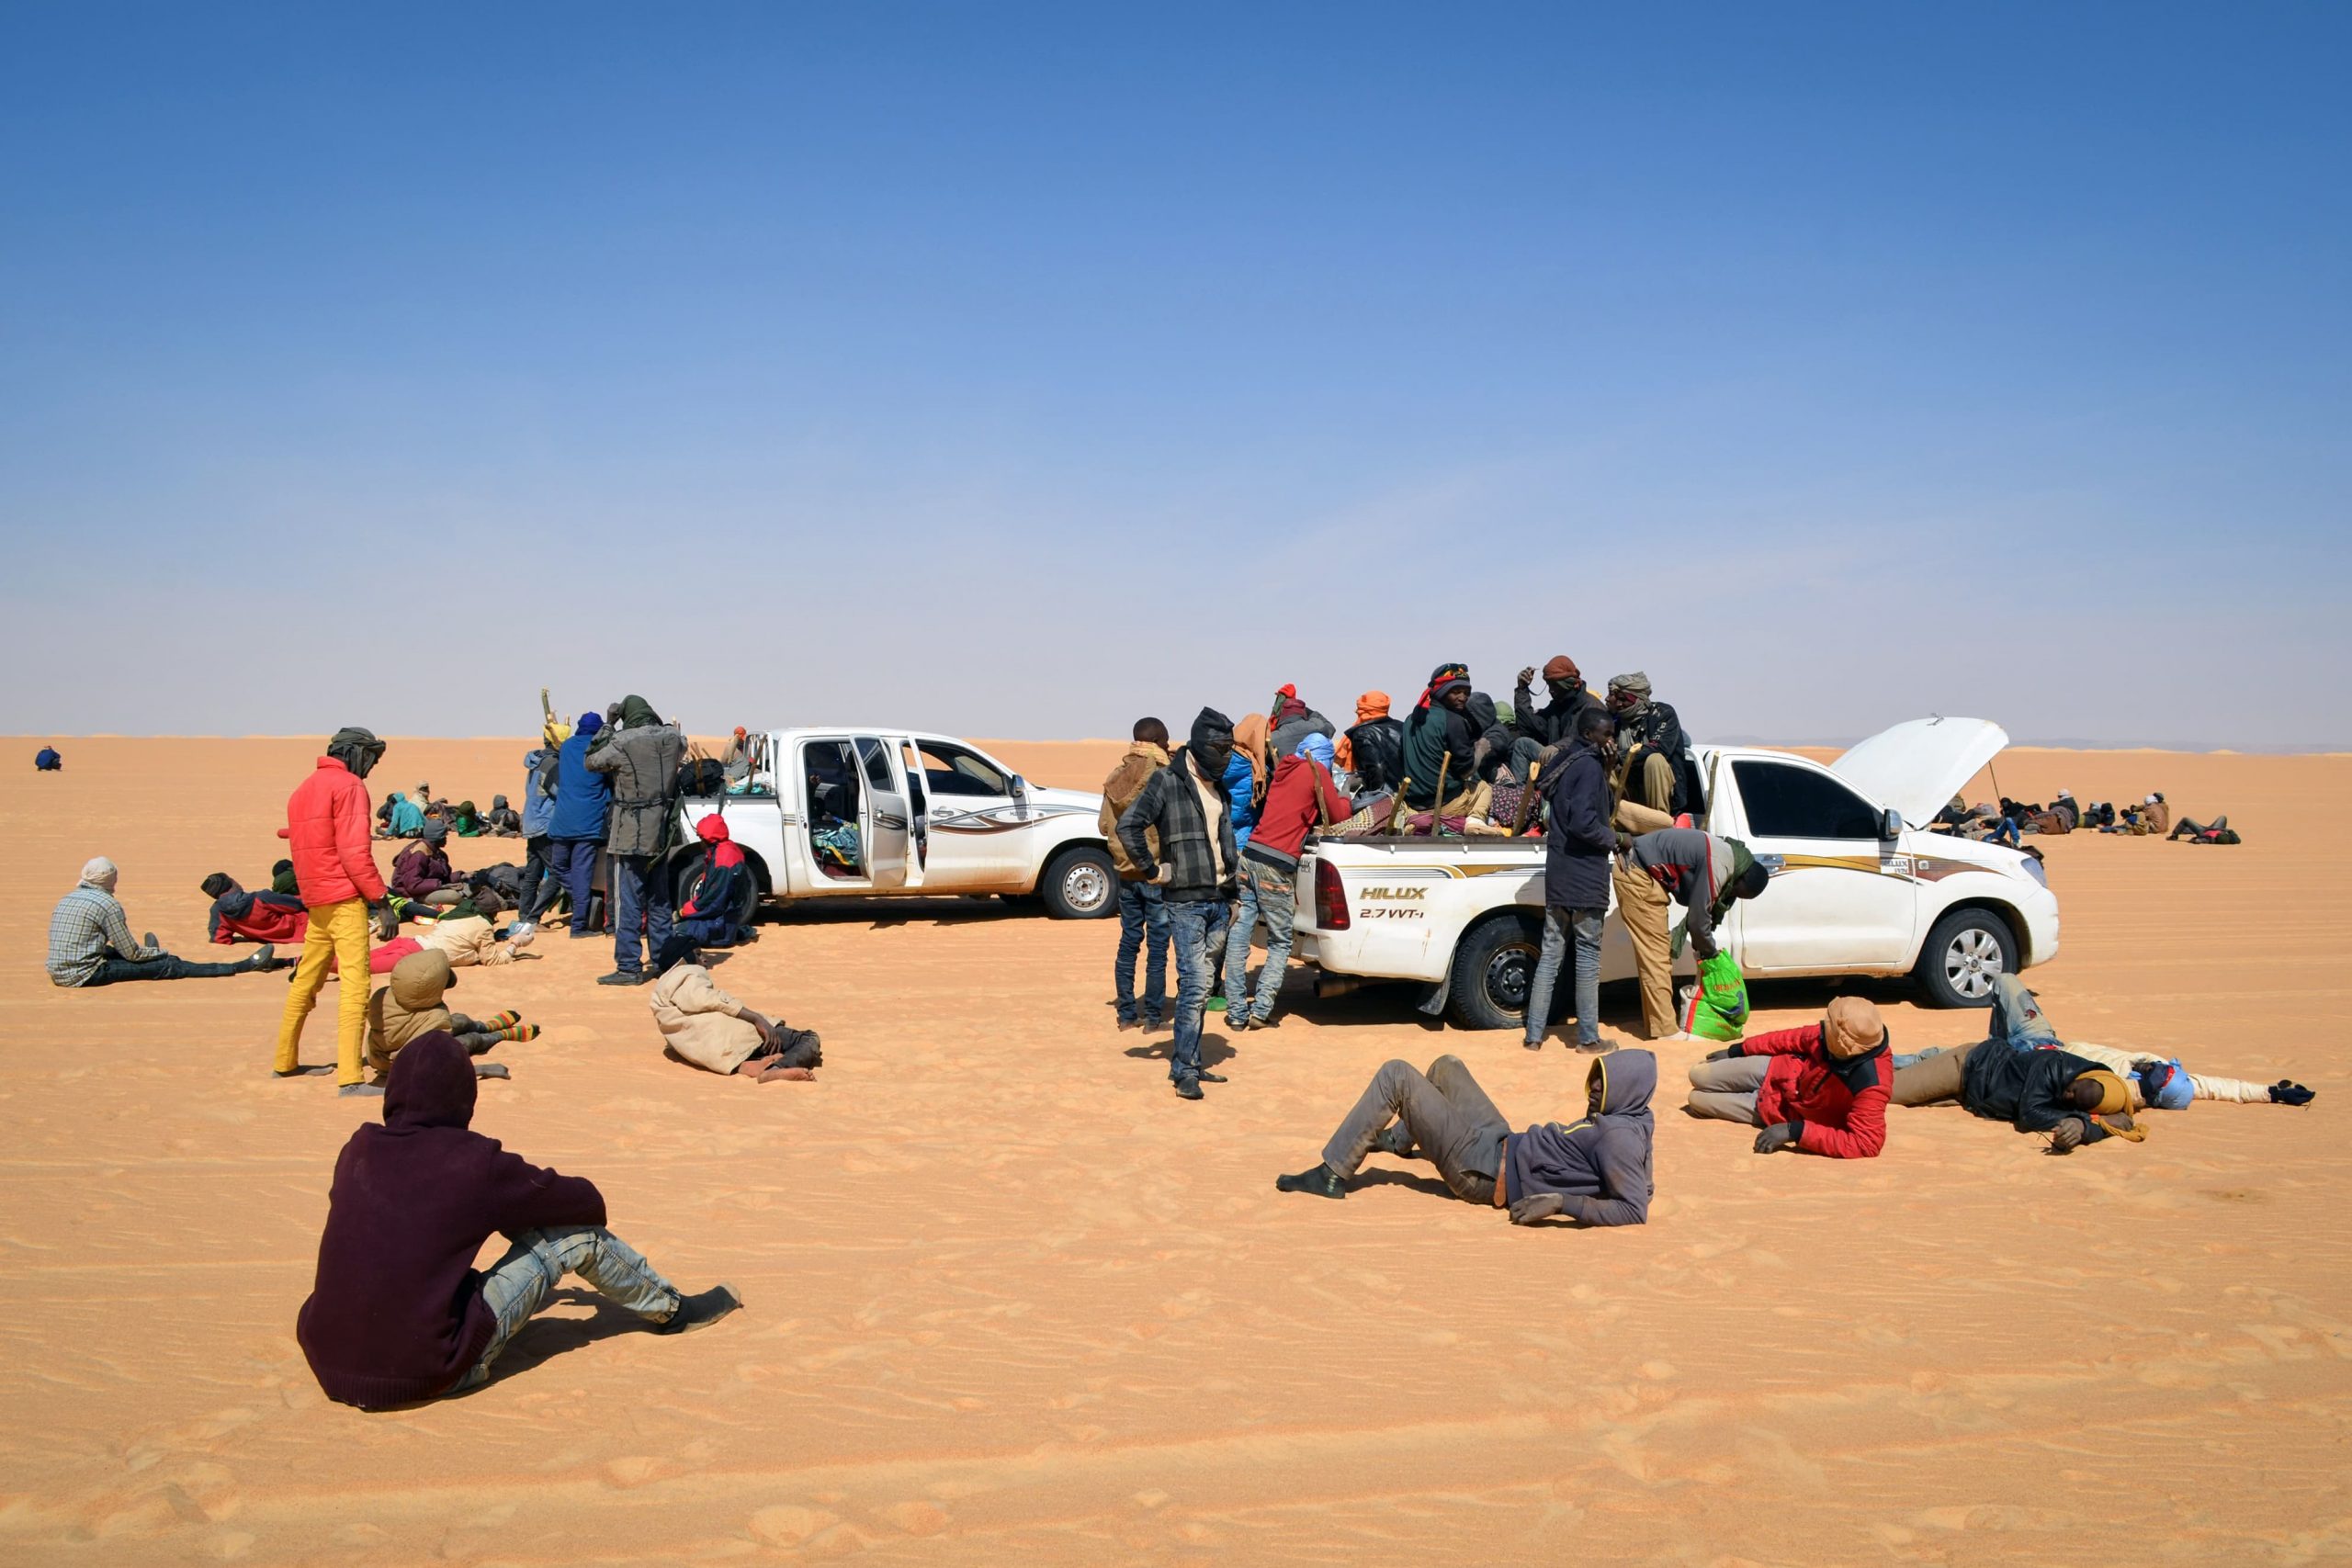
(328, 822)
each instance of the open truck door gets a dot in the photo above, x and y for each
(888, 821)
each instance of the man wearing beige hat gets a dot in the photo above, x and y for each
(1821, 1087)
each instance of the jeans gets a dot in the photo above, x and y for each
(114, 970)
(1726, 1090)
(1445, 1114)
(338, 931)
(1196, 928)
(541, 884)
(639, 897)
(574, 861)
(1559, 923)
(1268, 894)
(2017, 1019)
(520, 1284)
(2007, 833)
(1143, 928)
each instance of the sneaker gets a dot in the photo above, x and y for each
(264, 958)
(700, 1311)
(1534, 1045)
(491, 1070)
(1188, 1088)
(624, 978)
(360, 1091)
(1152, 1024)
(1207, 1077)
(1238, 1022)
(1268, 1022)
(580, 936)
(1126, 1023)
(309, 1072)
(1597, 1047)
(148, 940)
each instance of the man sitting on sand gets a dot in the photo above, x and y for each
(1596, 1170)
(1820, 1089)
(409, 1007)
(90, 941)
(422, 873)
(2023, 1074)
(705, 1027)
(397, 1313)
(48, 761)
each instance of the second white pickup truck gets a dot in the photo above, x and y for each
(1860, 887)
(871, 811)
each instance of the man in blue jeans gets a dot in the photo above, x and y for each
(1576, 878)
(1179, 834)
(1143, 913)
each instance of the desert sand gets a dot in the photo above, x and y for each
(1009, 1300)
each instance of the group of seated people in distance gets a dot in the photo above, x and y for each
(409, 814)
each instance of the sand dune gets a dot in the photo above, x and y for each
(1010, 1300)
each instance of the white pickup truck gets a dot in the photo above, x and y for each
(864, 811)
(1860, 887)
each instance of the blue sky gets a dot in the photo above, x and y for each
(1017, 369)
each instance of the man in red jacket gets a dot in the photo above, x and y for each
(1821, 1087)
(398, 1311)
(329, 823)
(1302, 799)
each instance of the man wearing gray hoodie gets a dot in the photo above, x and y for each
(1595, 1170)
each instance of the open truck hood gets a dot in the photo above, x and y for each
(1917, 767)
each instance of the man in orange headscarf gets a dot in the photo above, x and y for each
(1372, 750)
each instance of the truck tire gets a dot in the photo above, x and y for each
(1080, 884)
(1492, 970)
(1965, 953)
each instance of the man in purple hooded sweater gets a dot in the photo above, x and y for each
(399, 1312)
(1593, 1172)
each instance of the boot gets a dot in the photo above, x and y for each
(701, 1311)
(1322, 1182)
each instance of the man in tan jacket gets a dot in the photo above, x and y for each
(1143, 917)
(705, 1027)
(409, 1006)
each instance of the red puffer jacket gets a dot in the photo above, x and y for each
(327, 819)
(1840, 1101)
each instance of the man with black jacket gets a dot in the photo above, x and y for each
(397, 1313)
(1659, 773)
(1576, 881)
(1555, 723)
(1376, 758)
(1195, 864)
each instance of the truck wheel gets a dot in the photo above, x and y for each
(1966, 951)
(1492, 970)
(1081, 885)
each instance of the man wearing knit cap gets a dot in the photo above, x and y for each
(335, 864)
(90, 941)
(1821, 1088)
(1441, 741)
(1555, 723)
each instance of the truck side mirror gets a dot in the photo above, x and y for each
(1890, 824)
(1019, 787)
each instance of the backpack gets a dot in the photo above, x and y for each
(702, 776)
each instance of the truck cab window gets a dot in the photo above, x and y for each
(877, 766)
(952, 771)
(1797, 803)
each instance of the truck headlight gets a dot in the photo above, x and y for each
(2033, 868)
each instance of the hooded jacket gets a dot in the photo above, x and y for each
(1200, 855)
(1694, 867)
(421, 869)
(1837, 1103)
(1579, 837)
(643, 761)
(714, 884)
(328, 822)
(1292, 722)
(467, 939)
(1119, 791)
(580, 796)
(1600, 1165)
(539, 790)
(406, 818)
(409, 1006)
(1301, 799)
(396, 1312)
(257, 917)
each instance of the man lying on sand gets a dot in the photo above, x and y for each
(396, 1313)
(1596, 1171)
(704, 1026)
(1820, 1089)
(2153, 1082)
(2023, 1074)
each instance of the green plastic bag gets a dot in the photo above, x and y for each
(1717, 1009)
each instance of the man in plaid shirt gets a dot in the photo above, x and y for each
(89, 942)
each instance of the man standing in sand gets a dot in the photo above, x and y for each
(327, 822)
(1143, 917)
(643, 761)
(1179, 834)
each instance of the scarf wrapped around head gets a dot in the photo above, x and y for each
(356, 749)
(1372, 706)
(1250, 740)
(1443, 679)
(100, 872)
(1628, 693)
(220, 882)
(1561, 668)
(638, 713)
